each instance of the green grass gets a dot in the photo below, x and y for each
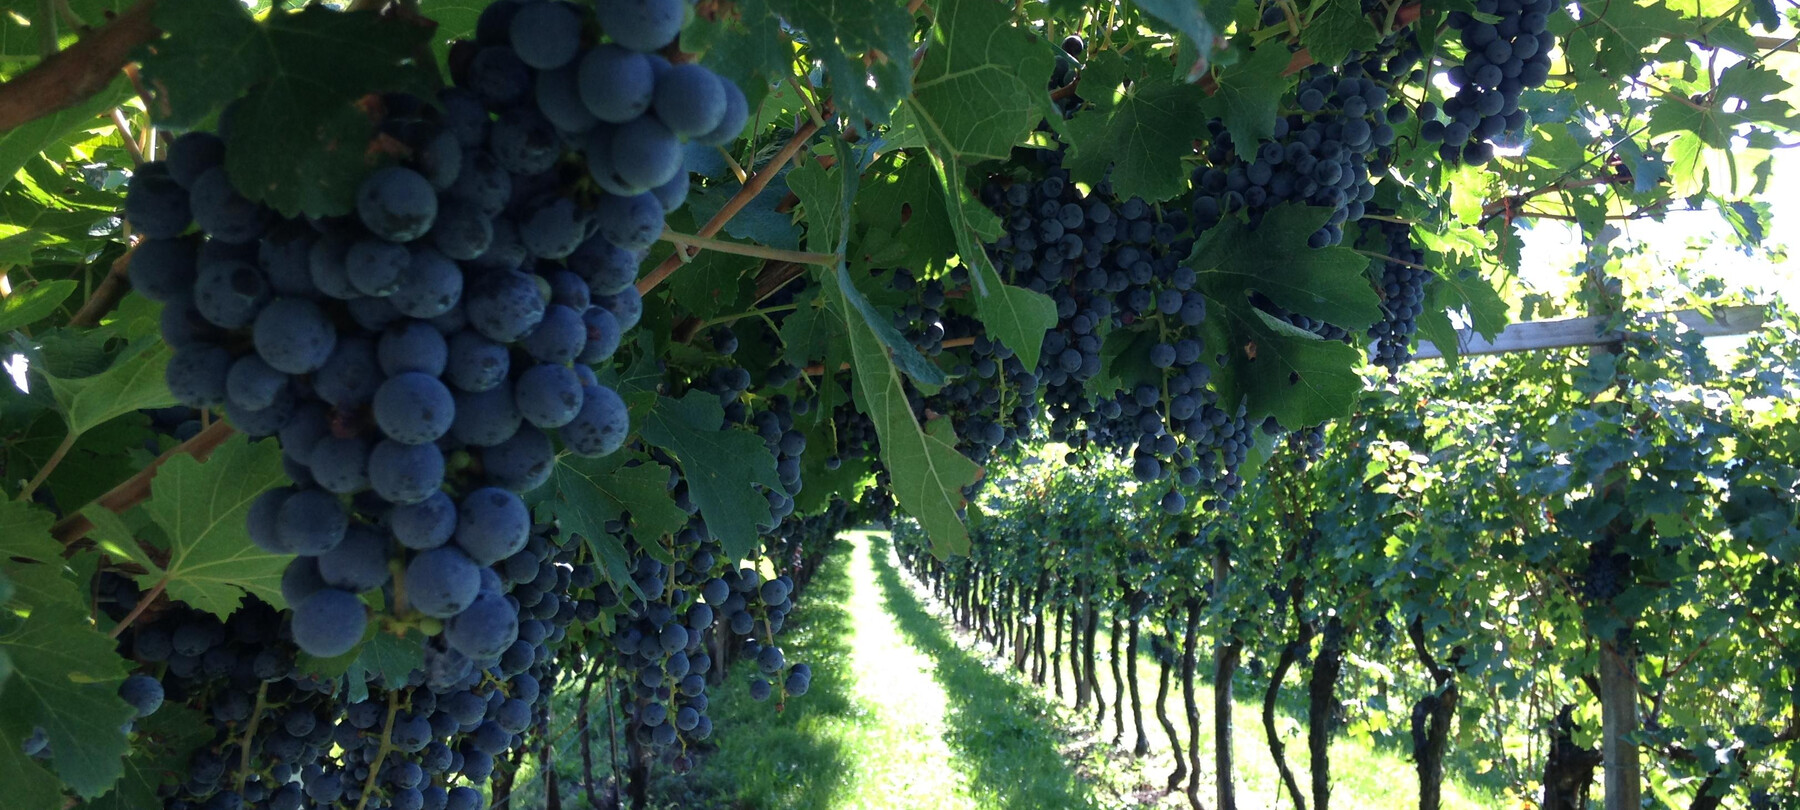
(898, 716)
(906, 713)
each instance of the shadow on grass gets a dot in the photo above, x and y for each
(787, 759)
(1004, 731)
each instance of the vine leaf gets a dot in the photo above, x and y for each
(297, 140)
(1139, 137)
(1274, 259)
(1184, 17)
(133, 382)
(823, 193)
(746, 48)
(809, 331)
(980, 89)
(28, 303)
(1340, 27)
(585, 494)
(845, 35)
(32, 560)
(202, 507)
(928, 474)
(1277, 370)
(1248, 97)
(159, 756)
(387, 655)
(65, 679)
(723, 465)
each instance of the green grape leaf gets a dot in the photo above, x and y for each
(821, 191)
(747, 48)
(202, 507)
(1274, 259)
(841, 33)
(297, 141)
(25, 533)
(825, 201)
(1277, 370)
(1140, 137)
(980, 89)
(30, 302)
(906, 219)
(809, 332)
(1248, 97)
(65, 678)
(159, 756)
(1434, 322)
(1182, 16)
(390, 656)
(1339, 28)
(928, 475)
(713, 283)
(28, 783)
(722, 464)
(133, 382)
(32, 560)
(584, 494)
(1125, 362)
(1616, 39)
(113, 537)
(210, 51)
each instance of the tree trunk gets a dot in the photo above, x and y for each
(1089, 637)
(1118, 680)
(1271, 698)
(1078, 666)
(587, 737)
(1056, 649)
(1162, 716)
(1568, 768)
(1038, 631)
(1190, 641)
(1131, 675)
(1431, 718)
(1619, 720)
(1321, 713)
(1226, 652)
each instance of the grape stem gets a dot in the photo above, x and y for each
(387, 744)
(1386, 258)
(262, 701)
(136, 489)
(49, 465)
(746, 249)
(817, 369)
(137, 610)
(732, 206)
(72, 76)
(109, 292)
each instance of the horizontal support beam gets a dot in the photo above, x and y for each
(1591, 331)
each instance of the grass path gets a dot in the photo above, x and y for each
(905, 713)
(899, 715)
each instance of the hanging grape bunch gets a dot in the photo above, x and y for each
(422, 359)
(1502, 60)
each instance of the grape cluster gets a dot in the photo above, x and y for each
(1401, 285)
(1320, 155)
(1113, 264)
(1502, 59)
(315, 747)
(421, 360)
